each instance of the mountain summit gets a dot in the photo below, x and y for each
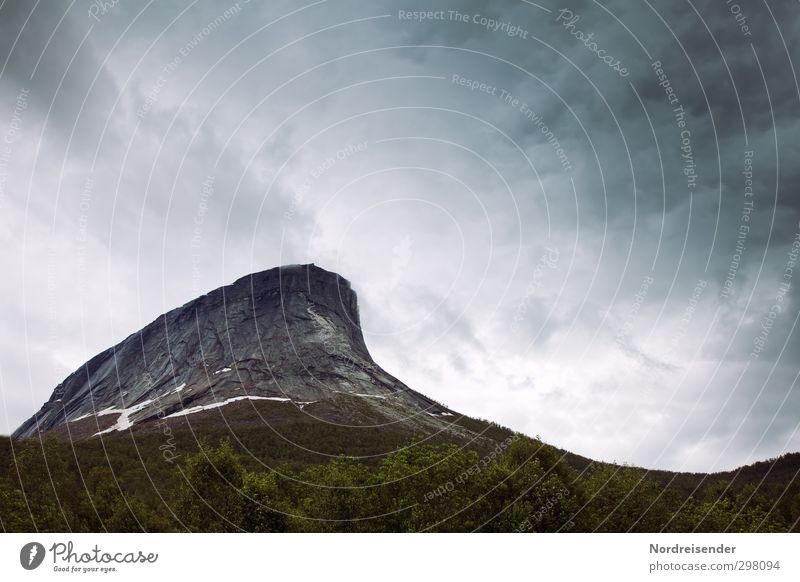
(314, 436)
(286, 339)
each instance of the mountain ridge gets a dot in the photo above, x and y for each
(287, 334)
(313, 435)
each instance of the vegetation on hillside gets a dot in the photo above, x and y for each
(251, 483)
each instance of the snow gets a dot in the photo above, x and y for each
(175, 390)
(222, 371)
(123, 421)
(109, 410)
(362, 395)
(213, 405)
(81, 417)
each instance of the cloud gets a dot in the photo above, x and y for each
(167, 150)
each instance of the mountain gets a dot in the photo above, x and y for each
(257, 407)
(270, 345)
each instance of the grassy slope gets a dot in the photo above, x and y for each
(149, 461)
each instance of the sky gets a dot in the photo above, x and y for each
(580, 220)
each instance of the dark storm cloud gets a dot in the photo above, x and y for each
(49, 52)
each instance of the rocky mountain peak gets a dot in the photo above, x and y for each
(287, 335)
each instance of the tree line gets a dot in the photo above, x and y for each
(519, 485)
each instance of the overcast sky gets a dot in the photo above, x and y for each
(573, 219)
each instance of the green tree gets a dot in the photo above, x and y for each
(623, 499)
(723, 509)
(48, 483)
(433, 488)
(266, 504)
(336, 496)
(209, 498)
(14, 513)
(538, 492)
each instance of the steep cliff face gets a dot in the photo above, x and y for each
(288, 335)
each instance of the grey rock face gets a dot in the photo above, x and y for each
(290, 333)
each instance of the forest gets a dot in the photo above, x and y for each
(259, 482)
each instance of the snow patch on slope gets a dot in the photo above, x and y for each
(123, 421)
(213, 405)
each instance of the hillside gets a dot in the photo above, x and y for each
(207, 479)
(257, 407)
